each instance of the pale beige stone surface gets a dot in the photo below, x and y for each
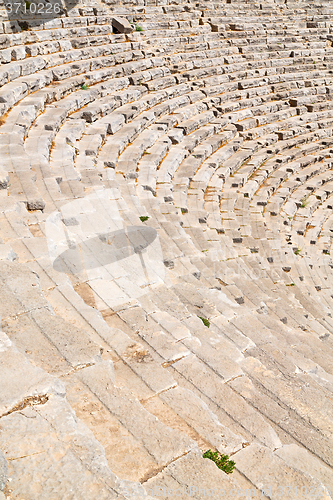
(210, 130)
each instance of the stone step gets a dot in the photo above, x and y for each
(34, 409)
(298, 458)
(304, 404)
(197, 414)
(162, 443)
(274, 477)
(202, 380)
(226, 146)
(140, 360)
(191, 475)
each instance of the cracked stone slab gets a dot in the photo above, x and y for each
(171, 324)
(165, 346)
(7, 253)
(54, 455)
(307, 399)
(21, 380)
(23, 286)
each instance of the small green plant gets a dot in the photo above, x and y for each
(290, 284)
(205, 322)
(27, 4)
(297, 251)
(84, 86)
(304, 202)
(143, 218)
(222, 461)
(138, 27)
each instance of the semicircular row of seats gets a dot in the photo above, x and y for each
(166, 218)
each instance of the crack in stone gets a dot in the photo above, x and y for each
(28, 401)
(155, 472)
(25, 456)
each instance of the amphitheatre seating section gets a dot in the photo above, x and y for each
(212, 126)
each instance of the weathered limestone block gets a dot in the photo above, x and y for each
(121, 24)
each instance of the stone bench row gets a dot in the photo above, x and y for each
(57, 33)
(32, 68)
(62, 114)
(259, 166)
(254, 180)
(12, 73)
(18, 89)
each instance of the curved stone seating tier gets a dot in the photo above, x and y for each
(165, 238)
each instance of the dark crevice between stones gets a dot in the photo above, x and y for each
(28, 401)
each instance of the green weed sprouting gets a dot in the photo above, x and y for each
(222, 461)
(304, 202)
(205, 321)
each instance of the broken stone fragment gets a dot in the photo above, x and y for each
(121, 24)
